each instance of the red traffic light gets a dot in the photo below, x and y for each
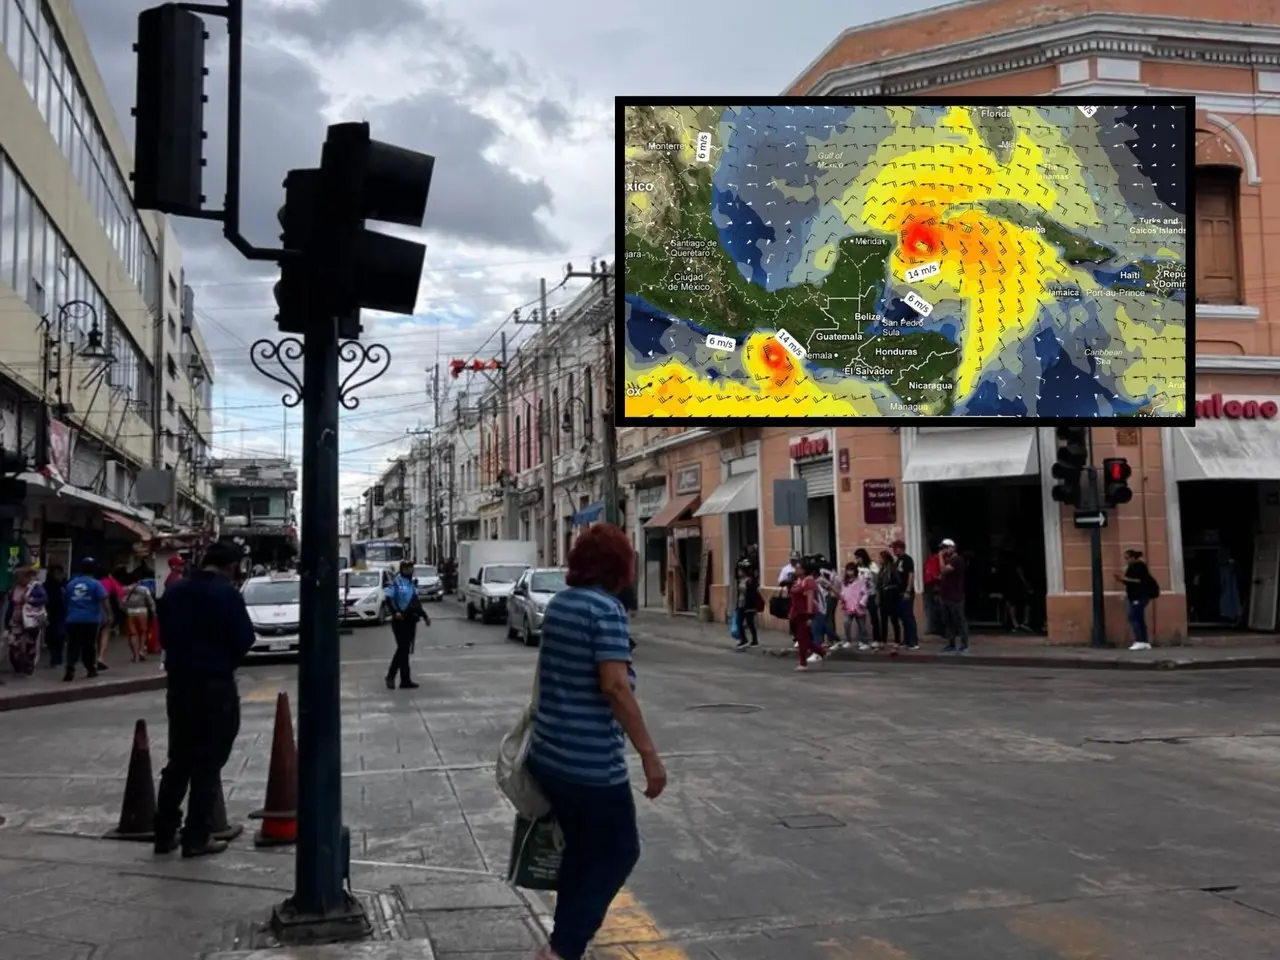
(1118, 470)
(455, 367)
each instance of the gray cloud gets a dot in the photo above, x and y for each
(476, 199)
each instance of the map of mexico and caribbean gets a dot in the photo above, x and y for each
(817, 259)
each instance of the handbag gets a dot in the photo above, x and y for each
(514, 780)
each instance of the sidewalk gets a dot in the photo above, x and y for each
(46, 686)
(983, 651)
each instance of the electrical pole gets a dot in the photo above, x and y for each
(609, 426)
(1093, 502)
(547, 422)
(507, 476)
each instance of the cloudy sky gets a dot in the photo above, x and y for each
(515, 101)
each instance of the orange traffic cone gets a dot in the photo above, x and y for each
(222, 830)
(279, 815)
(138, 812)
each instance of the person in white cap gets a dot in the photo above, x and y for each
(951, 593)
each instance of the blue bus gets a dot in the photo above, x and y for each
(377, 553)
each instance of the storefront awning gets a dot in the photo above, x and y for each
(977, 453)
(735, 495)
(675, 509)
(588, 515)
(1227, 450)
(139, 530)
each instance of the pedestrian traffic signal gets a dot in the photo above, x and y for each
(363, 179)
(168, 124)
(1115, 481)
(1068, 468)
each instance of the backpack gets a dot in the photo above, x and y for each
(1153, 586)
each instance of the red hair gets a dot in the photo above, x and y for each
(601, 557)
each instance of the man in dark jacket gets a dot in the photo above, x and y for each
(205, 631)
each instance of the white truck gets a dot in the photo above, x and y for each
(488, 571)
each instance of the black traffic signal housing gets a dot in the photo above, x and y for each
(168, 140)
(364, 179)
(294, 290)
(1068, 468)
(1115, 481)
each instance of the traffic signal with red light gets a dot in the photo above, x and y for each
(456, 367)
(1068, 468)
(1115, 481)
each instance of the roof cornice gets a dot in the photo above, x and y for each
(1145, 37)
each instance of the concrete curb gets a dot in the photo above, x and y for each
(75, 693)
(1024, 660)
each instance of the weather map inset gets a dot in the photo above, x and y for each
(864, 259)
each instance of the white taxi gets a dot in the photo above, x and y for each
(273, 605)
(361, 596)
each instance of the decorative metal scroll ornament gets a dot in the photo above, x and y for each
(281, 353)
(375, 356)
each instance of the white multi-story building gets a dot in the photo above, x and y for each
(96, 339)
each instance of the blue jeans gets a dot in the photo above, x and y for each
(601, 847)
(821, 630)
(1137, 611)
(907, 614)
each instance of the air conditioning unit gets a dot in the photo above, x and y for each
(116, 479)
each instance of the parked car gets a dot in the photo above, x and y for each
(529, 600)
(489, 590)
(360, 592)
(274, 608)
(429, 583)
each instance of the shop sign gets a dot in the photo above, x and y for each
(844, 460)
(688, 532)
(649, 500)
(1218, 408)
(879, 501)
(688, 479)
(814, 445)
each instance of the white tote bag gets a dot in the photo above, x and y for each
(516, 783)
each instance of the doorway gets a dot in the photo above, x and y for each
(998, 527)
(1231, 553)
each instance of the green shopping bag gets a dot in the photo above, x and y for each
(536, 848)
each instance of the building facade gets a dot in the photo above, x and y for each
(1206, 506)
(83, 289)
(254, 498)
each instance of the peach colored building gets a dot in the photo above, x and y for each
(1206, 508)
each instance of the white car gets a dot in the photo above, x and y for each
(274, 609)
(361, 596)
(529, 601)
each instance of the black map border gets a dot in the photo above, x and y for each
(1187, 103)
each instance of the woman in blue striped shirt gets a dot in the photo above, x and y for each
(587, 710)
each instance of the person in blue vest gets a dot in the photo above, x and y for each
(406, 611)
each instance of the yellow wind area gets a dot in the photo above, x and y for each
(673, 390)
(923, 187)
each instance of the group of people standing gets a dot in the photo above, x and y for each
(75, 618)
(870, 604)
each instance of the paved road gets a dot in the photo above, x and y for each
(856, 813)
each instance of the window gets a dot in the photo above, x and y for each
(589, 399)
(517, 446)
(173, 287)
(8, 222)
(528, 434)
(249, 506)
(1217, 235)
(22, 251)
(169, 403)
(173, 326)
(570, 414)
(170, 366)
(542, 430)
(555, 421)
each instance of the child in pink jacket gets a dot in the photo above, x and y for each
(853, 599)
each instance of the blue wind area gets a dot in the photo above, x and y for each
(742, 232)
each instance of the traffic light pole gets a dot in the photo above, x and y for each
(1098, 637)
(321, 865)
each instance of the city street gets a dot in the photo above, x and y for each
(860, 812)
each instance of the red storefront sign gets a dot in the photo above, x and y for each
(816, 446)
(1216, 408)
